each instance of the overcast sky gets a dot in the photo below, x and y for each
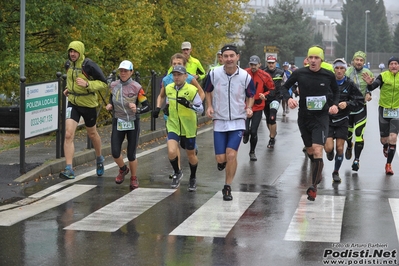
(391, 4)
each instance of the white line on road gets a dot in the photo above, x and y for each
(216, 217)
(65, 183)
(13, 216)
(118, 213)
(317, 221)
(394, 203)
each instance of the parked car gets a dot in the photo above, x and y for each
(9, 112)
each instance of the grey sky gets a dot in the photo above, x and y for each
(391, 4)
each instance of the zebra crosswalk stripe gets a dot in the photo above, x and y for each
(216, 217)
(394, 203)
(13, 216)
(118, 213)
(317, 221)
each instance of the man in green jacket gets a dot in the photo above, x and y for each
(388, 110)
(193, 65)
(84, 79)
(358, 119)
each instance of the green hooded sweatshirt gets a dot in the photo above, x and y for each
(82, 96)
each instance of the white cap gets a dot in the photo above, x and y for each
(126, 64)
(186, 45)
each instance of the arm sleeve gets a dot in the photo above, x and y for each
(376, 83)
(99, 81)
(197, 104)
(208, 82)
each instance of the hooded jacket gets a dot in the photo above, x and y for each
(78, 95)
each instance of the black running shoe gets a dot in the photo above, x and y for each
(221, 166)
(330, 155)
(335, 177)
(252, 156)
(245, 138)
(348, 152)
(176, 179)
(272, 141)
(355, 165)
(227, 193)
(192, 186)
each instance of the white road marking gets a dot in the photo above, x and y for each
(216, 217)
(317, 221)
(394, 203)
(118, 213)
(13, 216)
(65, 183)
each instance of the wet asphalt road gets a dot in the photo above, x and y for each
(366, 218)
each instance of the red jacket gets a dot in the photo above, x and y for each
(264, 84)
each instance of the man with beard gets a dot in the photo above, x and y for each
(358, 119)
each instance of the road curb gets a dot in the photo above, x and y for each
(82, 157)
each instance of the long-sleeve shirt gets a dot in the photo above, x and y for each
(314, 88)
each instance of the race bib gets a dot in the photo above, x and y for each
(68, 112)
(274, 105)
(315, 103)
(390, 113)
(123, 125)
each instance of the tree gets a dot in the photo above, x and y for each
(378, 36)
(147, 32)
(396, 39)
(285, 26)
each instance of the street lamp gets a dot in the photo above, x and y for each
(346, 37)
(332, 24)
(365, 32)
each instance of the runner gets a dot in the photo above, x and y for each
(264, 85)
(315, 87)
(350, 99)
(388, 82)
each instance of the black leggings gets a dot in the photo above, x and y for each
(117, 138)
(251, 126)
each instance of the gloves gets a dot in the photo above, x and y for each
(155, 112)
(184, 101)
(166, 110)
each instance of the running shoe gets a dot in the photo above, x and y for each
(176, 179)
(335, 177)
(192, 186)
(221, 166)
(100, 166)
(134, 182)
(385, 151)
(348, 152)
(355, 165)
(245, 138)
(388, 169)
(330, 155)
(252, 156)
(121, 176)
(67, 174)
(312, 191)
(226, 191)
(271, 143)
